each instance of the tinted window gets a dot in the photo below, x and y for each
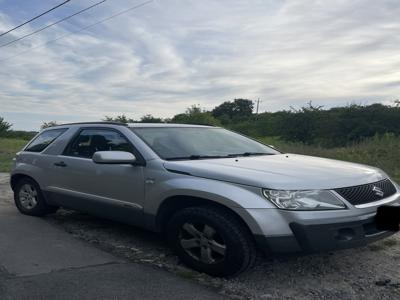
(90, 141)
(44, 139)
(192, 142)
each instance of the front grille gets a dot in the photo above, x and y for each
(367, 193)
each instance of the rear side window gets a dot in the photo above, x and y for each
(90, 141)
(43, 140)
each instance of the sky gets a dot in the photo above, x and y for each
(170, 54)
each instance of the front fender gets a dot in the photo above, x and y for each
(225, 193)
(236, 197)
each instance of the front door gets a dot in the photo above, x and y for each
(112, 191)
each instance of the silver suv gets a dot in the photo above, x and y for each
(218, 196)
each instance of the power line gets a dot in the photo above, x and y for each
(51, 25)
(81, 29)
(34, 18)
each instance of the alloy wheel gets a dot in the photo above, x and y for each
(28, 196)
(202, 242)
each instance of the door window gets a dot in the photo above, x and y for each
(90, 141)
(43, 140)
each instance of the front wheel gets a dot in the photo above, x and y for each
(29, 199)
(212, 240)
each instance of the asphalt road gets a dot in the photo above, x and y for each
(39, 260)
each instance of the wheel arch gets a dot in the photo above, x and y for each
(175, 203)
(17, 177)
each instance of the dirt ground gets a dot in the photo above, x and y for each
(371, 272)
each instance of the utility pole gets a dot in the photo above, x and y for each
(258, 105)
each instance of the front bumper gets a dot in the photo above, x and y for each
(284, 231)
(323, 237)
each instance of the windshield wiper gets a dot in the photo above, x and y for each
(248, 154)
(194, 157)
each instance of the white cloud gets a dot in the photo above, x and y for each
(168, 55)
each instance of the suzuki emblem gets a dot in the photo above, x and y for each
(378, 191)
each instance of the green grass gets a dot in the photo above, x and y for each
(8, 148)
(382, 152)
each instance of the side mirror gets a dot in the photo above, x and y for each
(113, 157)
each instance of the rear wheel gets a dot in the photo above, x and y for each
(211, 240)
(29, 199)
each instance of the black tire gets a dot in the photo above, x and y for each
(238, 254)
(40, 208)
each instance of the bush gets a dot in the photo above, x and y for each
(333, 127)
(195, 115)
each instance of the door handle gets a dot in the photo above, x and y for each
(60, 164)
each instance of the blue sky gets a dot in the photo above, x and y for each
(171, 54)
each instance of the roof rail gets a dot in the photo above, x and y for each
(88, 123)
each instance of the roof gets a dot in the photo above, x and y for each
(141, 125)
(92, 123)
(133, 125)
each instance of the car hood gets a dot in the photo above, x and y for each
(282, 171)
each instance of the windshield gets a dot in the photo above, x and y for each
(174, 143)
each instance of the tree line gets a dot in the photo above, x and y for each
(311, 124)
(5, 131)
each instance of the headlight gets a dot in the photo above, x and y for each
(304, 200)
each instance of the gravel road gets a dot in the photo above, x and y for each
(371, 272)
